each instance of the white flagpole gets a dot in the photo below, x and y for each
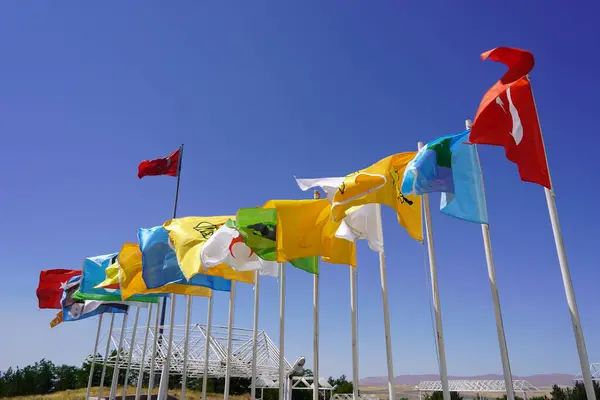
(186, 343)
(354, 323)
(566, 277)
(138, 390)
(255, 335)
(436, 297)
(106, 354)
(229, 339)
(281, 329)
(316, 196)
(386, 313)
(157, 333)
(207, 346)
(163, 387)
(89, 386)
(131, 349)
(487, 242)
(115, 378)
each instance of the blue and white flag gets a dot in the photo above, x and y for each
(74, 310)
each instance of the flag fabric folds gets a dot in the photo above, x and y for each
(168, 165)
(507, 116)
(362, 222)
(227, 246)
(188, 235)
(132, 283)
(305, 228)
(449, 165)
(75, 310)
(160, 266)
(379, 183)
(50, 288)
(94, 273)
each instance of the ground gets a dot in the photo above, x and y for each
(79, 394)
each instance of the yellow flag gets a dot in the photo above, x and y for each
(188, 235)
(132, 283)
(305, 228)
(380, 183)
(57, 320)
(112, 277)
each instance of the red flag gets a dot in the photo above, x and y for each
(160, 166)
(50, 289)
(507, 116)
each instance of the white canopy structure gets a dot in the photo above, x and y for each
(594, 370)
(241, 354)
(476, 386)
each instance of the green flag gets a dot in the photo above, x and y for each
(258, 227)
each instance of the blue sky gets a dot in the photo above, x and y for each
(262, 91)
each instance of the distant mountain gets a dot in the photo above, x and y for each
(540, 380)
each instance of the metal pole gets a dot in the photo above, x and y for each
(255, 335)
(566, 277)
(386, 314)
(91, 378)
(186, 345)
(281, 329)
(106, 354)
(229, 339)
(316, 196)
(487, 242)
(115, 378)
(131, 348)
(154, 354)
(354, 323)
(436, 296)
(138, 390)
(207, 347)
(163, 387)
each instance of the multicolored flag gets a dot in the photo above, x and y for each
(168, 165)
(227, 246)
(305, 229)
(51, 286)
(379, 183)
(188, 235)
(449, 165)
(507, 116)
(94, 273)
(160, 266)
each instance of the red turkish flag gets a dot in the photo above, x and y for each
(507, 116)
(51, 286)
(168, 165)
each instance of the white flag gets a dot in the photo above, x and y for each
(226, 246)
(361, 222)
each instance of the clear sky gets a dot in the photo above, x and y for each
(262, 91)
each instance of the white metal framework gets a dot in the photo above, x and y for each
(350, 396)
(267, 358)
(594, 370)
(477, 386)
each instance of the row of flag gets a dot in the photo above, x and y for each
(196, 255)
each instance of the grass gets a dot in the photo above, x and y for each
(79, 394)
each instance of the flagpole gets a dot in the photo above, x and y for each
(229, 339)
(566, 275)
(487, 243)
(186, 343)
(354, 322)
(436, 296)
(89, 386)
(154, 353)
(138, 390)
(386, 312)
(316, 196)
(163, 387)
(207, 346)
(115, 378)
(255, 334)
(106, 354)
(131, 348)
(281, 328)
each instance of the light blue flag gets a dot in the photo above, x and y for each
(74, 310)
(449, 165)
(160, 267)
